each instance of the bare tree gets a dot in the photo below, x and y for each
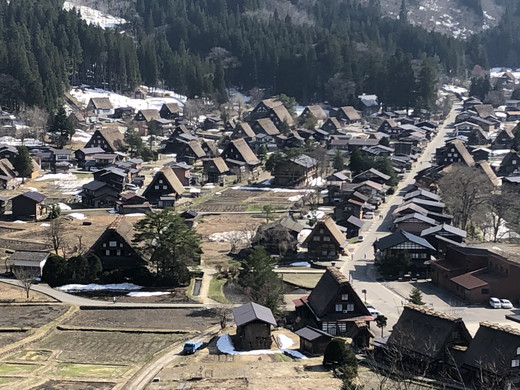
(26, 276)
(465, 190)
(56, 235)
(223, 312)
(35, 119)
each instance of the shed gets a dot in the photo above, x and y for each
(253, 326)
(28, 204)
(313, 341)
(30, 260)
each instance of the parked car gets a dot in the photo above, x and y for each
(506, 304)
(190, 347)
(368, 215)
(360, 238)
(373, 311)
(495, 303)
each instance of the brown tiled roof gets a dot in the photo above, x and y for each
(196, 148)
(282, 114)
(150, 114)
(245, 151)
(488, 171)
(322, 297)
(351, 113)
(102, 103)
(172, 107)
(113, 137)
(246, 129)
(317, 111)
(485, 110)
(220, 164)
(469, 280)
(426, 332)
(271, 103)
(268, 126)
(468, 159)
(331, 226)
(334, 121)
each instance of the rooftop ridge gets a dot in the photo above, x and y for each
(432, 312)
(503, 328)
(337, 275)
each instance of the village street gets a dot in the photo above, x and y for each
(389, 297)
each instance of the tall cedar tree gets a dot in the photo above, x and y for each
(259, 281)
(169, 244)
(22, 162)
(61, 128)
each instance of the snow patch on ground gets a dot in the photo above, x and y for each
(81, 136)
(295, 198)
(99, 287)
(225, 345)
(284, 341)
(77, 216)
(45, 224)
(56, 176)
(83, 95)
(300, 264)
(135, 215)
(28, 188)
(66, 183)
(239, 236)
(146, 294)
(93, 16)
(18, 221)
(63, 206)
(246, 188)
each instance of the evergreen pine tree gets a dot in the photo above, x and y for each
(22, 162)
(415, 296)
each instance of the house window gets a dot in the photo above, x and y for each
(112, 244)
(342, 327)
(156, 187)
(515, 363)
(518, 350)
(107, 252)
(160, 181)
(104, 245)
(327, 239)
(344, 297)
(118, 253)
(339, 307)
(316, 238)
(164, 187)
(484, 291)
(324, 253)
(513, 162)
(350, 307)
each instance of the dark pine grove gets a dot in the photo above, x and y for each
(329, 50)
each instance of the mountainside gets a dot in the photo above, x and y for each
(312, 50)
(459, 18)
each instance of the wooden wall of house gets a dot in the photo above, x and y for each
(254, 335)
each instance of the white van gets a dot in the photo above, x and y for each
(495, 303)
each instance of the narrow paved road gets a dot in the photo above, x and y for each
(359, 265)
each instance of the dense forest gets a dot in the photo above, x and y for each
(313, 50)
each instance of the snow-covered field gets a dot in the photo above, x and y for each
(65, 183)
(83, 95)
(93, 16)
(225, 345)
(240, 236)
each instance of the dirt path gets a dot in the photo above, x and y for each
(204, 288)
(145, 375)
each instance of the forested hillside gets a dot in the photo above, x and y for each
(313, 50)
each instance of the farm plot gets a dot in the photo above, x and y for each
(228, 201)
(32, 316)
(175, 319)
(12, 293)
(106, 347)
(70, 385)
(8, 338)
